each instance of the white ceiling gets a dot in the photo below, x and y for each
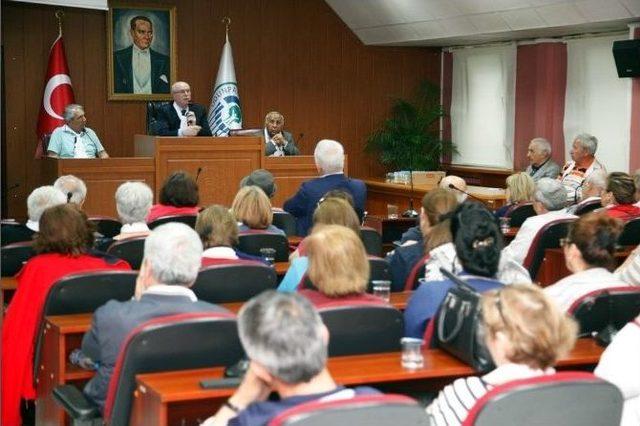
(460, 22)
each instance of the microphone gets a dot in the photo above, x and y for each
(198, 173)
(69, 195)
(191, 118)
(452, 186)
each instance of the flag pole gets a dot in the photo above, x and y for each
(59, 15)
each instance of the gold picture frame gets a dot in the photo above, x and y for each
(153, 42)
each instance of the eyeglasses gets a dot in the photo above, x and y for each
(565, 242)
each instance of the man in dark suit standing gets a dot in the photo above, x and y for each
(278, 142)
(329, 158)
(182, 118)
(172, 256)
(138, 68)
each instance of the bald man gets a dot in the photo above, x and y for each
(182, 117)
(278, 142)
(459, 186)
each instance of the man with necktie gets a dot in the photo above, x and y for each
(181, 117)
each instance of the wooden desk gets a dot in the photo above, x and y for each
(484, 176)
(553, 267)
(63, 334)
(175, 397)
(380, 193)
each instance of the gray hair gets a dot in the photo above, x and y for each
(41, 199)
(283, 333)
(133, 201)
(70, 111)
(329, 156)
(543, 145)
(551, 193)
(588, 142)
(174, 252)
(458, 182)
(597, 179)
(69, 184)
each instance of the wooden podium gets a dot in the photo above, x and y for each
(219, 164)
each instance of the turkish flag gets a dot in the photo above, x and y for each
(58, 93)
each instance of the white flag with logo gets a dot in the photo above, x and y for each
(225, 113)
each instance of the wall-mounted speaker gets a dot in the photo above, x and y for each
(627, 56)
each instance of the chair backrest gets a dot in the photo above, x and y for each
(252, 241)
(372, 410)
(630, 235)
(14, 256)
(107, 226)
(14, 232)
(547, 237)
(152, 116)
(130, 249)
(372, 241)
(587, 206)
(561, 399)
(599, 309)
(236, 282)
(83, 292)
(285, 221)
(361, 328)
(177, 342)
(519, 213)
(417, 272)
(187, 219)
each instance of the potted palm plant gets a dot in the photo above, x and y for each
(410, 139)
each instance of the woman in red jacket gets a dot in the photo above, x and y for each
(63, 246)
(619, 197)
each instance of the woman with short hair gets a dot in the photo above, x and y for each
(338, 266)
(252, 210)
(477, 242)
(520, 189)
(620, 196)
(63, 246)
(178, 196)
(589, 252)
(526, 334)
(218, 231)
(133, 203)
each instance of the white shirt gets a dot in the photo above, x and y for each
(79, 150)
(620, 365)
(141, 65)
(573, 182)
(220, 252)
(134, 228)
(171, 290)
(520, 245)
(571, 288)
(33, 225)
(183, 118)
(629, 271)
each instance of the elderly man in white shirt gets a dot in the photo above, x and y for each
(549, 201)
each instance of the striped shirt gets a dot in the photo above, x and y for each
(456, 400)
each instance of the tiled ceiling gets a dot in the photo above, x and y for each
(460, 22)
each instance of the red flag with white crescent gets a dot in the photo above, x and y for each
(58, 93)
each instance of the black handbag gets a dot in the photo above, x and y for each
(459, 329)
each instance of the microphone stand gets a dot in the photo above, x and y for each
(410, 212)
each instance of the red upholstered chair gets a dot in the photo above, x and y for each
(107, 226)
(518, 213)
(234, 282)
(562, 399)
(176, 342)
(547, 237)
(584, 207)
(362, 327)
(14, 256)
(417, 272)
(630, 235)
(251, 242)
(371, 410)
(187, 219)
(608, 308)
(131, 250)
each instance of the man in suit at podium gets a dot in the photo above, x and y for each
(74, 139)
(278, 142)
(329, 158)
(181, 117)
(138, 68)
